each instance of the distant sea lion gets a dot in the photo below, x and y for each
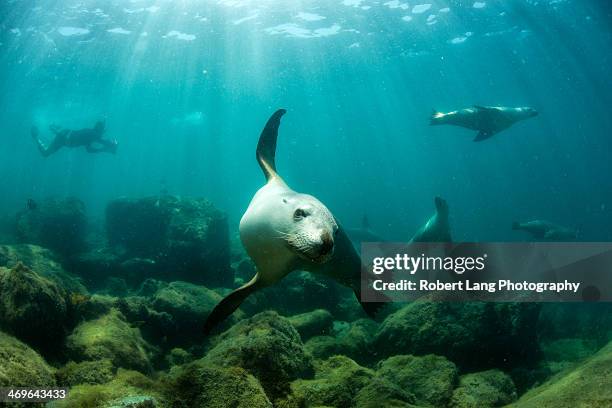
(547, 230)
(363, 234)
(487, 120)
(283, 231)
(437, 228)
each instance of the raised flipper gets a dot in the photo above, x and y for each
(229, 304)
(266, 147)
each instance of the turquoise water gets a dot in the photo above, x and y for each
(185, 87)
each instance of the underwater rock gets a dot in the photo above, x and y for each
(188, 305)
(95, 266)
(591, 321)
(267, 346)
(563, 353)
(474, 335)
(32, 308)
(199, 385)
(585, 385)
(491, 388)
(129, 389)
(86, 372)
(354, 341)
(337, 382)
(20, 366)
(485, 389)
(381, 393)
(313, 323)
(178, 356)
(92, 307)
(57, 224)
(301, 292)
(111, 337)
(187, 237)
(430, 378)
(43, 262)
(155, 326)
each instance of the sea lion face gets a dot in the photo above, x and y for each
(311, 228)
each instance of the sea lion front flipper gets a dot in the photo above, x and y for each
(266, 147)
(229, 304)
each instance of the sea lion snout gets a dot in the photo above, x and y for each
(327, 243)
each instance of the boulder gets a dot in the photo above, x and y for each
(43, 262)
(382, 393)
(485, 389)
(313, 323)
(337, 382)
(473, 335)
(353, 340)
(110, 337)
(189, 305)
(186, 237)
(57, 224)
(268, 347)
(20, 366)
(32, 308)
(430, 378)
(128, 389)
(200, 385)
(86, 372)
(587, 384)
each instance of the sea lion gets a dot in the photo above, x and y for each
(487, 120)
(283, 231)
(547, 230)
(437, 228)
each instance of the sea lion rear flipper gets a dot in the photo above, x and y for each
(266, 147)
(229, 304)
(370, 308)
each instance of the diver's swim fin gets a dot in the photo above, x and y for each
(229, 304)
(266, 147)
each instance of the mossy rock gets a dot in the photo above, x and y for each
(492, 388)
(189, 305)
(585, 385)
(430, 378)
(201, 385)
(382, 393)
(178, 356)
(85, 372)
(315, 323)
(111, 337)
(43, 262)
(354, 341)
(129, 389)
(268, 347)
(20, 366)
(32, 308)
(337, 382)
(457, 330)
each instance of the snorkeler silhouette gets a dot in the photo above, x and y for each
(91, 139)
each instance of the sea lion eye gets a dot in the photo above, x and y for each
(299, 214)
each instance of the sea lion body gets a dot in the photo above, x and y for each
(283, 230)
(487, 120)
(437, 228)
(541, 229)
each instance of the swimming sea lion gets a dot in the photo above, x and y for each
(363, 234)
(547, 230)
(283, 231)
(437, 228)
(487, 120)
